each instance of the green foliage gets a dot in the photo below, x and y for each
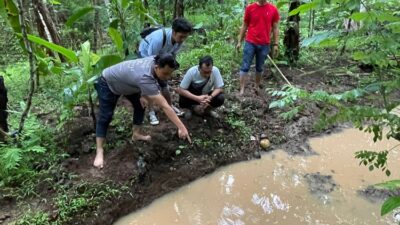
(374, 160)
(10, 10)
(81, 199)
(57, 48)
(36, 218)
(322, 38)
(126, 15)
(304, 8)
(180, 148)
(106, 61)
(10, 50)
(16, 76)
(239, 125)
(79, 14)
(16, 158)
(390, 204)
(122, 120)
(89, 67)
(84, 197)
(116, 37)
(390, 185)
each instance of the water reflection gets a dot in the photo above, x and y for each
(275, 190)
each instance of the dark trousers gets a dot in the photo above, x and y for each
(108, 100)
(184, 102)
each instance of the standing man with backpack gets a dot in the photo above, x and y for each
(164, 40)
(261, 18)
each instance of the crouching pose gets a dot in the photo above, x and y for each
(137, 81)
(201, 89)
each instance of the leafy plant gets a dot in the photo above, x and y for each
(36, 218)
(16, 158)
(85, 196)
(392, 202)
(180, 149)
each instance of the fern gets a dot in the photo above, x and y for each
(10, 158)
(16, 156)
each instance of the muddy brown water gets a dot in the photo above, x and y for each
(277, 190)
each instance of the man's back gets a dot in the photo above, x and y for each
(153, 43)
(132, 76)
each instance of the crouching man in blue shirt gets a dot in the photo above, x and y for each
(165, 40)
(201, 89)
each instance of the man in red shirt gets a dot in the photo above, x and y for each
(260, 18)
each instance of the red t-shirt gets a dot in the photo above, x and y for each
(259, 20)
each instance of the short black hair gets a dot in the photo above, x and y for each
(181, 25)
(208, 60)
(166, 59)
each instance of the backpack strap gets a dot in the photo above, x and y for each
(164, 37)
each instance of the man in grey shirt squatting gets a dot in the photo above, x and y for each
(137, 80)
(165, 40)
(201, 89)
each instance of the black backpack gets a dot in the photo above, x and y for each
(148, 30)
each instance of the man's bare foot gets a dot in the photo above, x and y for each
(140, 137)
(99, 160)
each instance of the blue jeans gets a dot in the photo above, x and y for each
(249, 50)
(108, 100)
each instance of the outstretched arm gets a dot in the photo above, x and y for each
(163, 104)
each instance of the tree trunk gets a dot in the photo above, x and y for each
(3, 110)
(32, 65)
(53, 15)
(145, 4)
(221, 22)
(178, 9)
(96, 26)
(30, 17)
(162, 12)
(292, 34)
(48, 24)
(312, 23)
(42, 28)
(107, 3)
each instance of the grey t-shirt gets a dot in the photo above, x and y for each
(153, 44)
(193, 76)
(132, 77)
